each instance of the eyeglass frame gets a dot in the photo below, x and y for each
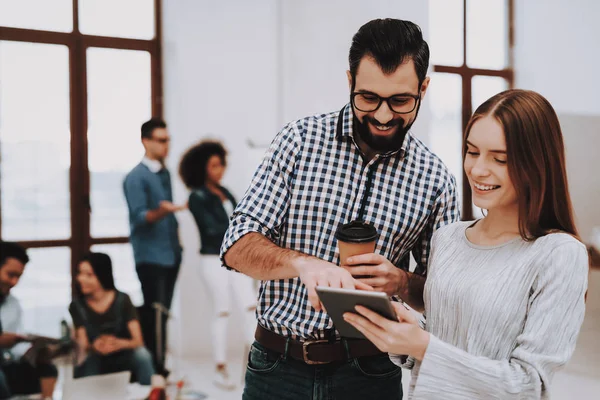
(159, 140)
(417, 98)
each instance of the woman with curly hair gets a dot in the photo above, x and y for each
(201, 169)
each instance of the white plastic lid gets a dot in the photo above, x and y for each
(157, 381)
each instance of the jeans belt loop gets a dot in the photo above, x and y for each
(346, 348)
(287, 348)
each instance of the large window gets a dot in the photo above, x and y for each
(77, 79)
(471, 52)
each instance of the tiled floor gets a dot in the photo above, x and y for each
(579, 380)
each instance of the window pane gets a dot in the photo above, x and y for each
(126, 279)
(485, 87)
(34, 141)
(445, 96)
(44, 290)
(117, 18)
(446, 32)
(119, 101)
(487, 34)
(55, 15)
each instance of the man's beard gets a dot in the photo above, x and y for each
(384, 144)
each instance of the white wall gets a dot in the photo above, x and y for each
(557, 54)
(238, 70)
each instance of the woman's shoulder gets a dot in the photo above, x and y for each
(560, 241)
(562, 255)
(122, 297)
(198, 193)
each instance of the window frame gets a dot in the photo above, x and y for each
(467, 74)
(81, 240)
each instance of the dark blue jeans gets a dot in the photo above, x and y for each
(271, 375)
(138, 361)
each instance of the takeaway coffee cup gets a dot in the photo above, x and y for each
(356, 237)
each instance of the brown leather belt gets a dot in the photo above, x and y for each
(316, 351)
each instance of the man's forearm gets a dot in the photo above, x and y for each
(4, 343)
(258, 257)
(412, 293)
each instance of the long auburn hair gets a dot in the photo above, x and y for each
(536, 160)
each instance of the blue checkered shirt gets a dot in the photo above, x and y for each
(312, 179)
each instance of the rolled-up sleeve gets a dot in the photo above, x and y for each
(136, 200)
(265, 204)
(547, 341)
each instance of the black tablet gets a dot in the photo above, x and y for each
(339, 301)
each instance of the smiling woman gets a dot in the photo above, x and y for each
(485, 165)
(517, 278)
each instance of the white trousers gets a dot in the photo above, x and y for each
(222, 284)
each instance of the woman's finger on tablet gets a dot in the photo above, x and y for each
(374, 333)
(374, 317)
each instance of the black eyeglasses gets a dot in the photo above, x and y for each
(399, 103)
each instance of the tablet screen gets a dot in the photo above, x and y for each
(339, 301)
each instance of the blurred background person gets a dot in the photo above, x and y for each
(106, 324)
(18, 376)
(201, 170)
(154, 232)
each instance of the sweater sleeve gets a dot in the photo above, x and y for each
(547, 341)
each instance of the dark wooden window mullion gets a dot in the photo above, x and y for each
(467, 208)
(467, 90)
(156, 63)
(79, 187)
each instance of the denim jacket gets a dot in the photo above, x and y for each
(211, 218)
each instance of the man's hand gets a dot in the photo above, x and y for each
(8, 339)
(169, 207)
(376, 271)
(314, 272)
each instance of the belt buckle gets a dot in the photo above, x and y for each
(305, 345)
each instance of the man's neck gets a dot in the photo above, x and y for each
(154, 159)
(367, 153)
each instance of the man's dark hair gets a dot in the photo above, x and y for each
(390, 42)
(149, 126)
(12, 250)
(192, 168)
(102, 267)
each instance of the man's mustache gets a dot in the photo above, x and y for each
(392, 123)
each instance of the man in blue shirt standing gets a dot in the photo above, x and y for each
(154, 235)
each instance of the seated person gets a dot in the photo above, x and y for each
(107, 327)
(18, 376)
